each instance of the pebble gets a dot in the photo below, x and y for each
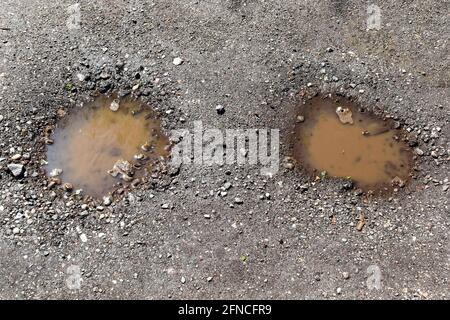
(55, 172)
(16, 230)
(227, 186)
(83, 237)
(418, 151)
(16, 169)
(346, 275)
(300, 119)
(183, 280)
(17, 156)
(220, 109)
(177, 61)
(238, 201)
(114, 105)
(107, 200)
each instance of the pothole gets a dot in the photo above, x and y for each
(334, 136)
(105, 144)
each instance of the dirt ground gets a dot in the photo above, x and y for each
(177, 236)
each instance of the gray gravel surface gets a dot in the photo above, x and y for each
(177, 236)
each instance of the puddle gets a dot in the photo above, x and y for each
(89, 143)
(335, 136)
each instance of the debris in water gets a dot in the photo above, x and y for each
(345, 115)
(114, 106)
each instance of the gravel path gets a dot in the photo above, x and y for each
(178, 236)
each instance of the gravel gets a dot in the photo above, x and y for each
(260, 60)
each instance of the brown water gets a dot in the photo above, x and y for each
(363, 148)
(88, 143)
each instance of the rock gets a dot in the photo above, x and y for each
(220, 109)
(434, 154)
(347, 185)
(114, 105)
(16, 230)
(398, 182)
(418, 151)
(81, 77)
(183, 280)
(83, 237)
(107, 200)
(288, 163)
(177, 61)
(345, 115)
(56, 172)
(16, 157)
(68, 186)
(300, 119)
(123, 169)
(238, 200)
(227, 186)
(345, 275)
(361, 222)
(16, 169)
(165, 206)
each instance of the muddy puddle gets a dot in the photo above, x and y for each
(334, 136)
(107, 142)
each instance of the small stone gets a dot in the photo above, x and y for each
(183, 280)
(227, 186)
(434, 154)
(16, 169)
(345, 115)
(104, 75)
(347, 185)
(209, 279)
(220, 109)
(16, 157)
(398, 182)
(16, 230)
(345, 275)
(68, 186)
(300, 119)
(445, 188)
(339, 290)
(418, 151)
(81, 77)
(238, 201)
(83, 237)
(165, 206)
(361, 222)
(56, 172)
(177, 61)
(114, 105)
(107, 200)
